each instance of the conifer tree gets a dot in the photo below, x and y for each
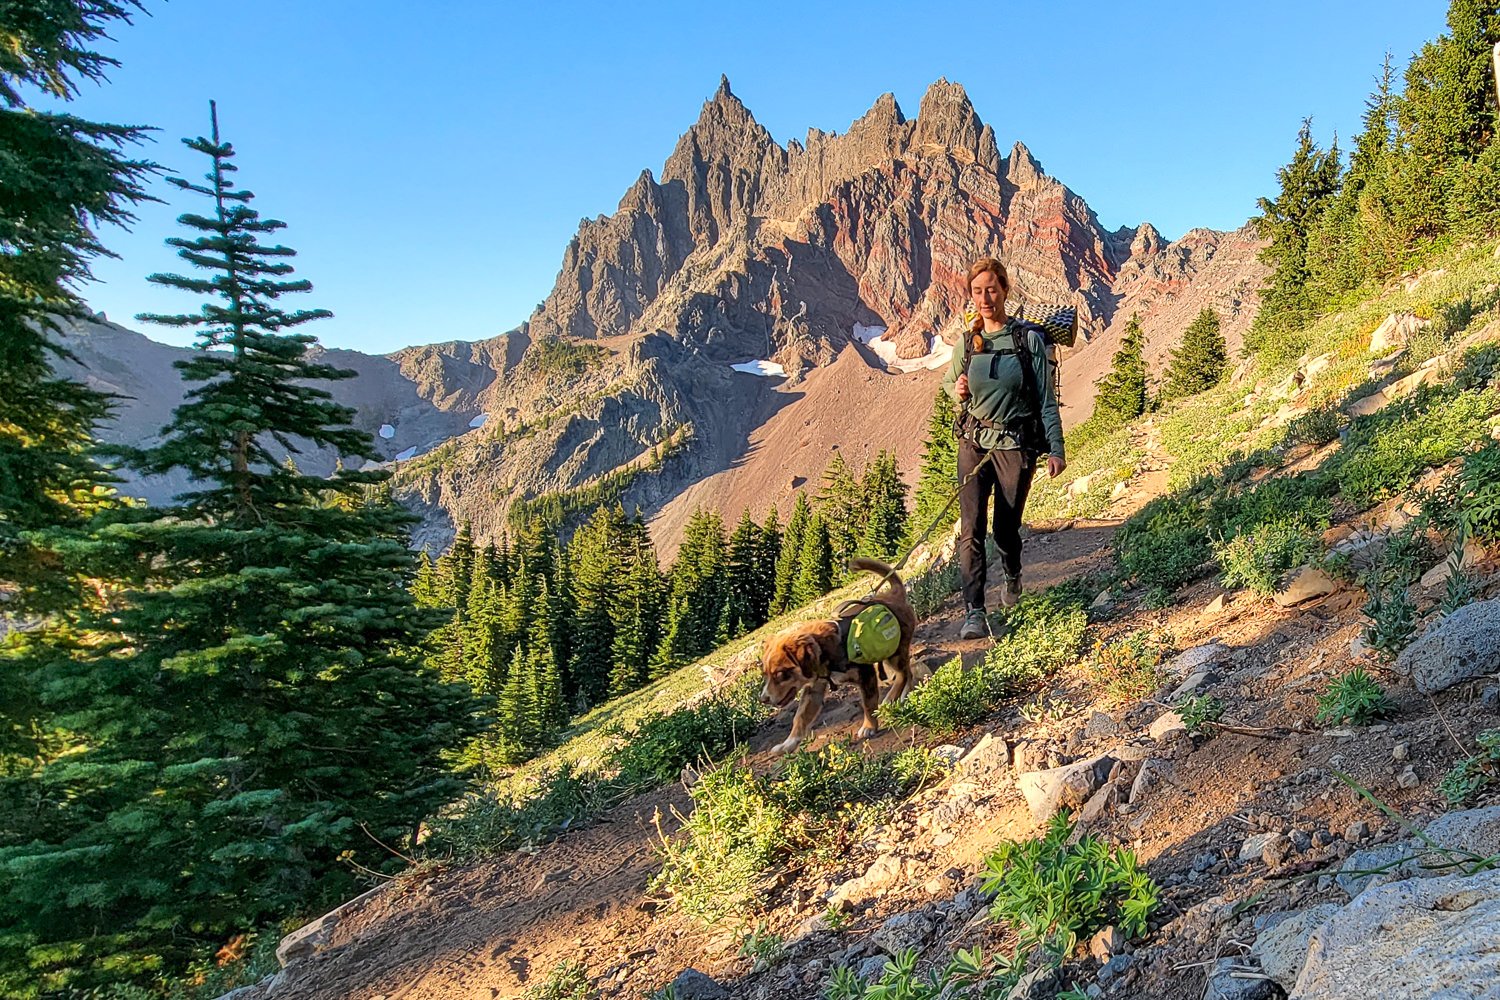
(765, 562)
(456, 567)
(1121, 393)
(745, 609)
(483, 652)
(1308, 184)
(884, 501)
(699, 594)
(841, 505)
(789, 559)
(938, 478)
(1199, 361)
(61, 179)
(638, 623)
(227, 762)
(597, 553)
(424, 588)
(815, 565)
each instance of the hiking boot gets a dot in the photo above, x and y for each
(1010, 591)
(976, 625)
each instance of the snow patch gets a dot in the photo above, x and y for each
(939, 353)
(408, 453)
(387, 431)
(479, 420)
(768, 368)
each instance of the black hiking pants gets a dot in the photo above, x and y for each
(1007, 476)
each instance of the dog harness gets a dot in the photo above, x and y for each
(868, 631)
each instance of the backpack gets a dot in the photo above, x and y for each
(870, 635)
(1030, 435)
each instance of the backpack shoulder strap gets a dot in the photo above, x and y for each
(1021, 335)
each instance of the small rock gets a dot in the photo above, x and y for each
(1065, 787)
(948, 752)
(1255, 845)
(1399, 751)
(1152, 773)
(1490, 698)
(903, 931)
(1191, 685)
(1301, 840)
(1106, 944)
(1215, 606)
(1222, 984)
(1191, 660)
(1276, 849)
(871, 968)
(1101, 726)
(1115, 968)
(691, 984)
(1408, 778)
(1303, 585)
(1357, 831)
(1169, 722)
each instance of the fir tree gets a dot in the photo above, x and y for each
(884, 501)
(1121, 393)
(745, 609)
(1200, 360)
(1308, 184)
(699, 594)
(456, 567)
(483, 652)
(251, 708)
(638, 619)
(938, 478)
(61, 179)
(841, 505)
(765, 563)
(789, 559)
(597, 554)
(815, 565)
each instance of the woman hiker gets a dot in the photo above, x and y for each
(1007, 419)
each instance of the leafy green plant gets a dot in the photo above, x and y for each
(568, 980)
(762, 947)
(1044, 631)
(1129, 667)
(1165, 544)
(835, 918)
(1045, 707)
(1196, 710)
(928, 590)
(899, 979)
(1053, 891)
(1386, 452)
(1393, 619)
(1479, 493)
(1316, 427)
(1355, 698)
(1259, 558)
(1469, 777)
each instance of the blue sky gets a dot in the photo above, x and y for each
(434, 159)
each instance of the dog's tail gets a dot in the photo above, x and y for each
(888, 576)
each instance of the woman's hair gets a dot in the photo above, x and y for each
(977, 268)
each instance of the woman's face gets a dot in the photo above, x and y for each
(988, 295)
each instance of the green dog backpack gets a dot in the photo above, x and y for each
(873, 635)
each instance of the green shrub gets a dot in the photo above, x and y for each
(1479, 493)
(1317, 427)
(1355, 698)
(1478, 369)
(1386, 452)
(1053, 892)
(662, 743)
(763, 948)
(928, 590)
(1260, 558)
(1044, 632)
(965, 969)
(1469, 777)
(1166, 543)
(1197, 710)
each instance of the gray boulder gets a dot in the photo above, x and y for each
(1066, 787)
(1422, 939)
(691, 984)
(1463, 646)
(1281, 948)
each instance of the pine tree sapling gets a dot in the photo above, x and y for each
(1121, 395)
(1200, 361)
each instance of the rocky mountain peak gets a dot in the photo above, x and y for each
(1147, 241)
(1021, 168)
(947, 120)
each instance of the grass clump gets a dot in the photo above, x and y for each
(1259, 558)
(1130, 667)
(716, 866)
(1355, 698)
(1043, 632)
(1468, 778)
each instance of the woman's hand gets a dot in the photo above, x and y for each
(1055, 466)
(962, 387)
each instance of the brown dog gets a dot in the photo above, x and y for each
(808, 657)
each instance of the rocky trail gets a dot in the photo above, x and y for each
(1240, 829)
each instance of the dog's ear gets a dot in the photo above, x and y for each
(805, 652)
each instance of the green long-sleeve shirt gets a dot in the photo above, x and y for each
(1003, 399)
